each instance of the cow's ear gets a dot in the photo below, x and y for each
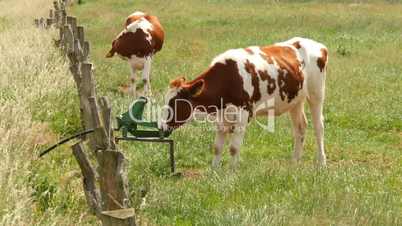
(178, 82)
(196, 88)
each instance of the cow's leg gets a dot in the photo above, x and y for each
(146, 76)
(316, 101)
(316, 91)
(299, 122)
(133, 81)
(318, 123)
(235, 144)
(238, 130)
(218, 146)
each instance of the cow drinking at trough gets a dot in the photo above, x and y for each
(240, 81)
(141, 38)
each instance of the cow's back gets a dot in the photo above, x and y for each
(313, 53)
(279, 72)
(142, 37)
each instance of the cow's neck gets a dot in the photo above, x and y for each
(214, 95)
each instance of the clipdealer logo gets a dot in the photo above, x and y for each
(264, 113)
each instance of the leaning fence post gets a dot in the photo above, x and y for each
(56, 5)
(72, 21)
(63, 17)
(49, 22)
(86, 49)
(86, 90)
(106, 111)
(80, 34)
(68, 39)
(51, 15)
(113, 185)
(89, 178)
(105, 185)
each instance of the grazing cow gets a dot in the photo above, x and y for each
(240, 81)
(141, 38)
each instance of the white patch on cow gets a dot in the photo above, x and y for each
(254, 49)
(247, 86)
(137, 13)
(170, 94)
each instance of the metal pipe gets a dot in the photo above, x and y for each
(81, 134)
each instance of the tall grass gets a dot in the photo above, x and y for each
(34, 88)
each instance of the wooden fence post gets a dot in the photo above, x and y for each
(110, 202)
(56, 5)
(113, 184)
(72, 21)
(89, 178)
(106, 111)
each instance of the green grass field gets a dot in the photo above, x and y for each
(362, 184)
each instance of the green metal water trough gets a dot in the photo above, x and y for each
(133, 128)
(132, 122)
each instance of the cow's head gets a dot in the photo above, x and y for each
(179, 102)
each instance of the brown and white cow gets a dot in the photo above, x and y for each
(141, 38)
(242, 80)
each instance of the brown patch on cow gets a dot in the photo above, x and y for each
(250, 68)
(233, 151)
(263, 75)
(322, 61)
(130, 43)
(297, 45)
(271, 82)
(290, 77)
(249, 51)
(287, 85)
